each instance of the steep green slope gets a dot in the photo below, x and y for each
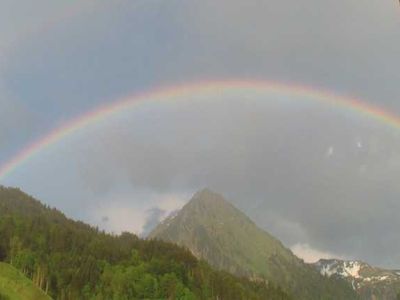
(216, 231)
(76, 261)
(15, 286)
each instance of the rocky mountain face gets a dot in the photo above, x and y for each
(370, 282)
(214, 230)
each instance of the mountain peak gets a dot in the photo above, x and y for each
(208, 198)
(204, 192)
(210, 223)
(218, 232)
(206, 195)
(209, 208)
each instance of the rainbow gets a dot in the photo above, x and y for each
(179, 92)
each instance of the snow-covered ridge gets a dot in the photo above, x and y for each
(357, 272)
(341, 268)
(368, 281)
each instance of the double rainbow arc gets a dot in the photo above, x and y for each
(178, 93)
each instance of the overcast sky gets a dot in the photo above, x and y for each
(324, 181)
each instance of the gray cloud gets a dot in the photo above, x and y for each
(341, 45)
(154, 217)
(16, 121)
(270, 158)
(22, 20)
(312, 176)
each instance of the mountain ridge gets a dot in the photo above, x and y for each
(370, 282)
(213, 229)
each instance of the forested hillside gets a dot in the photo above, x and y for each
(71, 260)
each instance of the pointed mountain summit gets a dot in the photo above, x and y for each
(213, 229)
(216, 231)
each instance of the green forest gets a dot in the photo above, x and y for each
(71, 260)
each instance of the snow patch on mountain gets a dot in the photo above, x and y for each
(353, 269)
(341, 268)
(370, 282)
